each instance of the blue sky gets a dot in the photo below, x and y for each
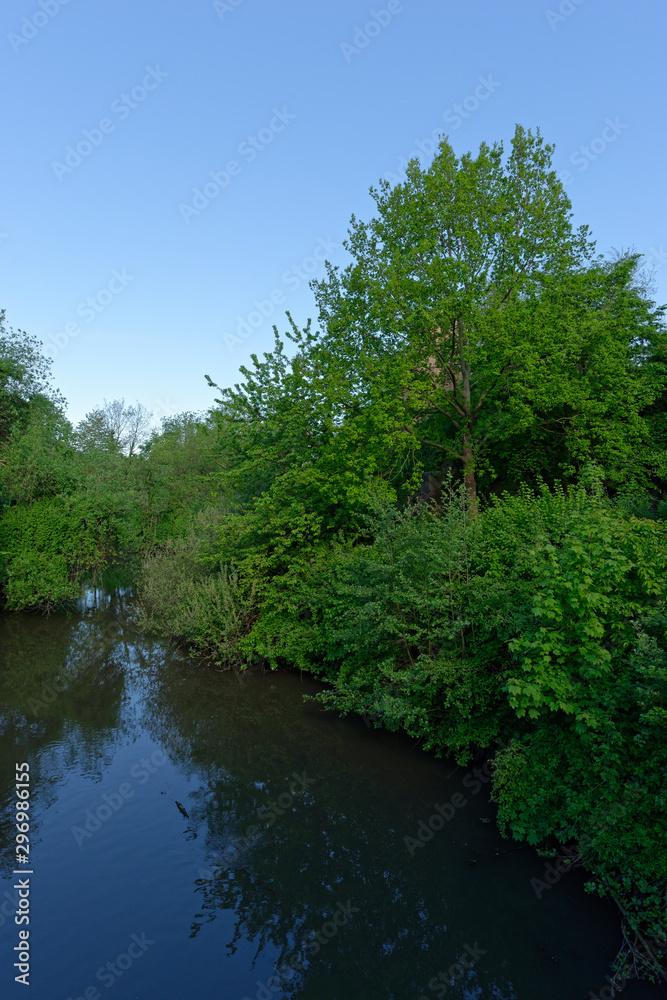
(175, 172)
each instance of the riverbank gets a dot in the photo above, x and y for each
(533, 631)
(291, 811)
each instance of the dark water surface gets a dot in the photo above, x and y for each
(290, 876)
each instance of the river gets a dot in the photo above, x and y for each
(200, 835)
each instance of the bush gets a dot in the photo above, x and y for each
(179, 597)
(48, 547)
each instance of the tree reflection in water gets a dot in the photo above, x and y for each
(295, 823)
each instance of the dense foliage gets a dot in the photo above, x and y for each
(449, 502)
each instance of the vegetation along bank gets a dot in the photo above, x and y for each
(449, 502)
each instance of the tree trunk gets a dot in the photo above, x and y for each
(468, 451)
(468, 458)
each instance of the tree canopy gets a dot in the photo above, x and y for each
(25, 379)
(115, 427)
(477, 305)
(522, 612)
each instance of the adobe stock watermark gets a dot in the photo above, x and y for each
(121, 108)
(32, 25)
(566, 9)
(266, 814)
(9, 906)
(88, 310)
(460, 112)
(49, 693)
(222, 7)
(313, 942)
(111, 803)
(554, 873)
(427, 829)
(364, 35)
(249, 149)
(473, 781)
(440, 984)
(166, 407)
(108, 973)
(293, 278)
(582, 157)
(659, 255)
(454, 116)
(275, 808)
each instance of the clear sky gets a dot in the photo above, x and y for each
(176, 170)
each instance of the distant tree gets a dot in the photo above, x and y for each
(115, 427)
(93, 433)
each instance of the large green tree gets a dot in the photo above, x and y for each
(469, 293)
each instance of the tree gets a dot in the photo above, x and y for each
(94, 434)
(436, 298)
(115, 427)
(36, 459)
(25, 379)
(582, 392)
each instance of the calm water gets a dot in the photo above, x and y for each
(290, 875)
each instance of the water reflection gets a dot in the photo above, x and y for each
(270, 844)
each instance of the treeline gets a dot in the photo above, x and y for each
(79, 502)
(449, 502)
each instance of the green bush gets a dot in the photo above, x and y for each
(181, 598)
(48, 547)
